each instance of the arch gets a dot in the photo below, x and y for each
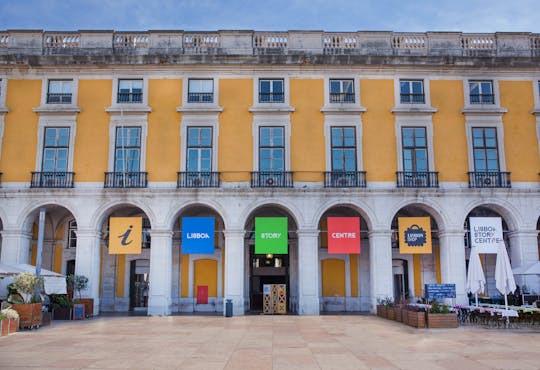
(99, 216)
(175, 212)
(292, 211)
(364, 210)
(432, 208)
(3, 219)
(29, 213)
(506, 210)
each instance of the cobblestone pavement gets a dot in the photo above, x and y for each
(265, 342)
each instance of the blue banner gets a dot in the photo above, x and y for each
(197, 235)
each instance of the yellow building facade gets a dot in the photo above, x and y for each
(240, 125)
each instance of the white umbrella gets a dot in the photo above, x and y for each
(504, 278)
(475, 276)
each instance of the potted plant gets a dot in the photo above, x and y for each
(12, 318)
(382, 307)
(416, 317)
(440, 316)
(30, 311)
(79, 283)
(61, 306)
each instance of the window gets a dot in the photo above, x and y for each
(485, 149)
(341, 91)
(72, 234)
(271, 91)
(55, 149)
(481, 92)
(130, 91)
(127, 149)
(199, 149)
(59, 92)
(343, 141)
(415, 158)
(200, 91)
(271, 149)
(411, 91)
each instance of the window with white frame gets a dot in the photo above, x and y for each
(55, 149)
(343, 142)
(72, 234)
(342, 91)
(127, 155)
(481, 92)
(271, 91)
(415, 151)
(59, 91)
(200, 91)
(412, 92)
(485, 149)
(272, 148)
(199, 149)
(130, 91)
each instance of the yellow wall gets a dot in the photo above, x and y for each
(417, 267)
(437, 251)
(58, 258)
(379, 134)
(33, 256)
(307, 129)
(60, 232)
(520, 140)
(205, 273)
(184, 279)
(333, 278)
(91, 154)
(120, 276)
(163, 142)
(353, 258)
(19, 143)
(449, 136)
(235, 153)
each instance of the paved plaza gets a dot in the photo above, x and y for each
(265, 342)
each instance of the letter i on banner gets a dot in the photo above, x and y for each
(198, 235)
(343, 235)
(125, 235)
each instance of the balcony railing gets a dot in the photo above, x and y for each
(407, 179)
(58, 98)
(273, 97)
(482, 98)
(125, 180)
(52, 180)
(133, 97)
(341, 97)
(200, 97)
(345, 179)
(492, 179)
(412, 98)
(198, 180)
(271, 179)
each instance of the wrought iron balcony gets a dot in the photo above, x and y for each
(273, 97)
(192, 179)
(412, 98)
(133, 97)
(482, 98)
(271, 179)
(200, 97)
(126, 180)
(345, 179)
(414, 179)
(52, 180)
(58, 98)
(341, 97)
(492, 179)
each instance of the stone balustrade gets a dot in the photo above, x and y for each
(376, 43)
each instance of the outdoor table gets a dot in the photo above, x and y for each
(493, 311)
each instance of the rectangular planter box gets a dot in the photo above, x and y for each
(63, 313)
(29, 314)
(45, 318)
(404, 316)
(442, 320)
(4, 327)
(382, 311)
(88, 306)
(399, 315)
(416, 319)
(391, 312)
(13, 325)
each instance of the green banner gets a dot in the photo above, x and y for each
(271, 235)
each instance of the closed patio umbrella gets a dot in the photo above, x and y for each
(504, 277)
(475, 276)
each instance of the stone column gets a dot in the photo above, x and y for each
(524, 250)
(159, 298)
(15, 246)
(453, 269)
(308, 272)
(380, 266)
(234, 270)
(87, 263)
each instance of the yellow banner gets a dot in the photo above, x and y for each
(125, 235)
(414, 235)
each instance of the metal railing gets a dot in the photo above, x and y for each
(58, 98)
(52, 180)
(273, 97)
(413, 179)
(412, 98)
(200, 97)
(192, 179)
(489, 179)
(482, 98)
(133, 97)
(341, 97)
(345, 179)
(125, 180)
(271, 179)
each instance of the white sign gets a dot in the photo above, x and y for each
(486, 233)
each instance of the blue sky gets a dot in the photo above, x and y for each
(269, 15)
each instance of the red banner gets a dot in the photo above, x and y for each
(202, 294)
(343, 235)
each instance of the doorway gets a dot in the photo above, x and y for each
(139, 285)
(401, 280)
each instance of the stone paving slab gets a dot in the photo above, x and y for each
(265, 342)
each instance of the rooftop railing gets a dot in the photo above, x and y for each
(28, 42)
